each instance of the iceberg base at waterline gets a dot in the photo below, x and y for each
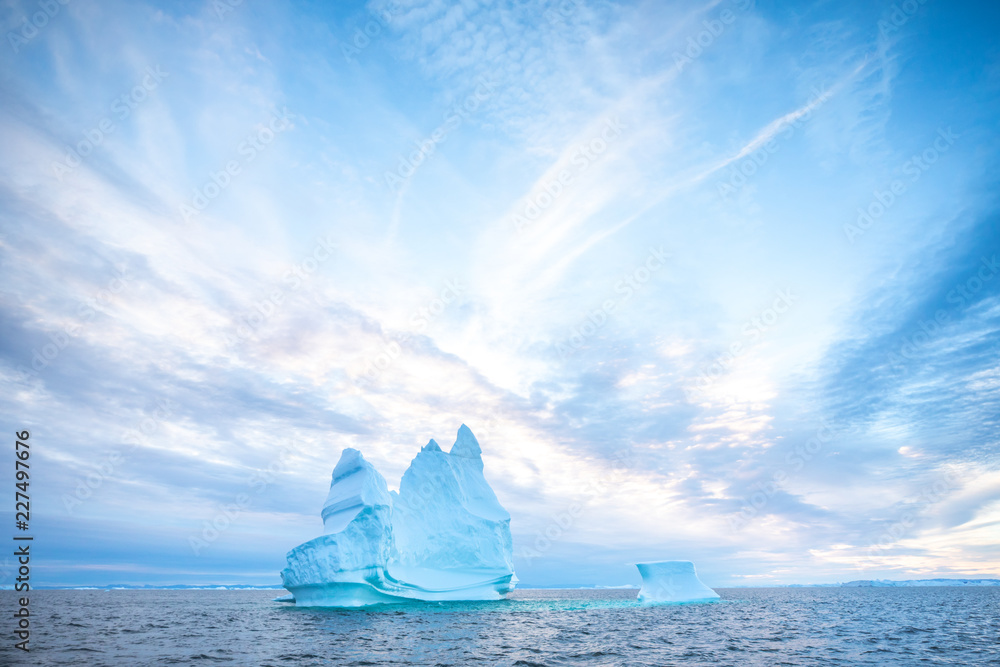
(672, 581)
(443, 536)
(384, 586)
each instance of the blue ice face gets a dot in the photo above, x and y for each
(444, 536)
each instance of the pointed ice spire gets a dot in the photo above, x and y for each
(351, 461)
(356, 484)
(466, 445)
(431, 446)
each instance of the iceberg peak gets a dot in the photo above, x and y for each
(431, 446)
(350, 461)
(355, 484)
(466, 444)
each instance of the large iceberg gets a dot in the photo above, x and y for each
(444, 536)
(672, 581)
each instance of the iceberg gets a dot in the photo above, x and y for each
(443, 536)
(672, 581)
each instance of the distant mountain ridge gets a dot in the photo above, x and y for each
(886, 583)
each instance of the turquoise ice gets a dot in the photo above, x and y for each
(672, 581)
(444, 536)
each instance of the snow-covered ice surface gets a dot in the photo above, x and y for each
(444, 536)
(672, 581)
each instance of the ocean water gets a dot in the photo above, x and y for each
(804, 626)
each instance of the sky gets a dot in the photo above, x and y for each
(709, 281)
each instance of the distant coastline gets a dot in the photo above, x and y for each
(859, 583)
(907, 583)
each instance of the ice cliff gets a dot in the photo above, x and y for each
(672, 581)
(444, 536)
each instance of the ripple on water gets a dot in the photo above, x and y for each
(836, 626)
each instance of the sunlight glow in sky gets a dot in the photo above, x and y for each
(714, 281)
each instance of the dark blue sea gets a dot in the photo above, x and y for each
(777, 626)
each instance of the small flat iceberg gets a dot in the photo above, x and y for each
(672, 581)
(444, 536)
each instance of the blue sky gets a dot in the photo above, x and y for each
(709, 281)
